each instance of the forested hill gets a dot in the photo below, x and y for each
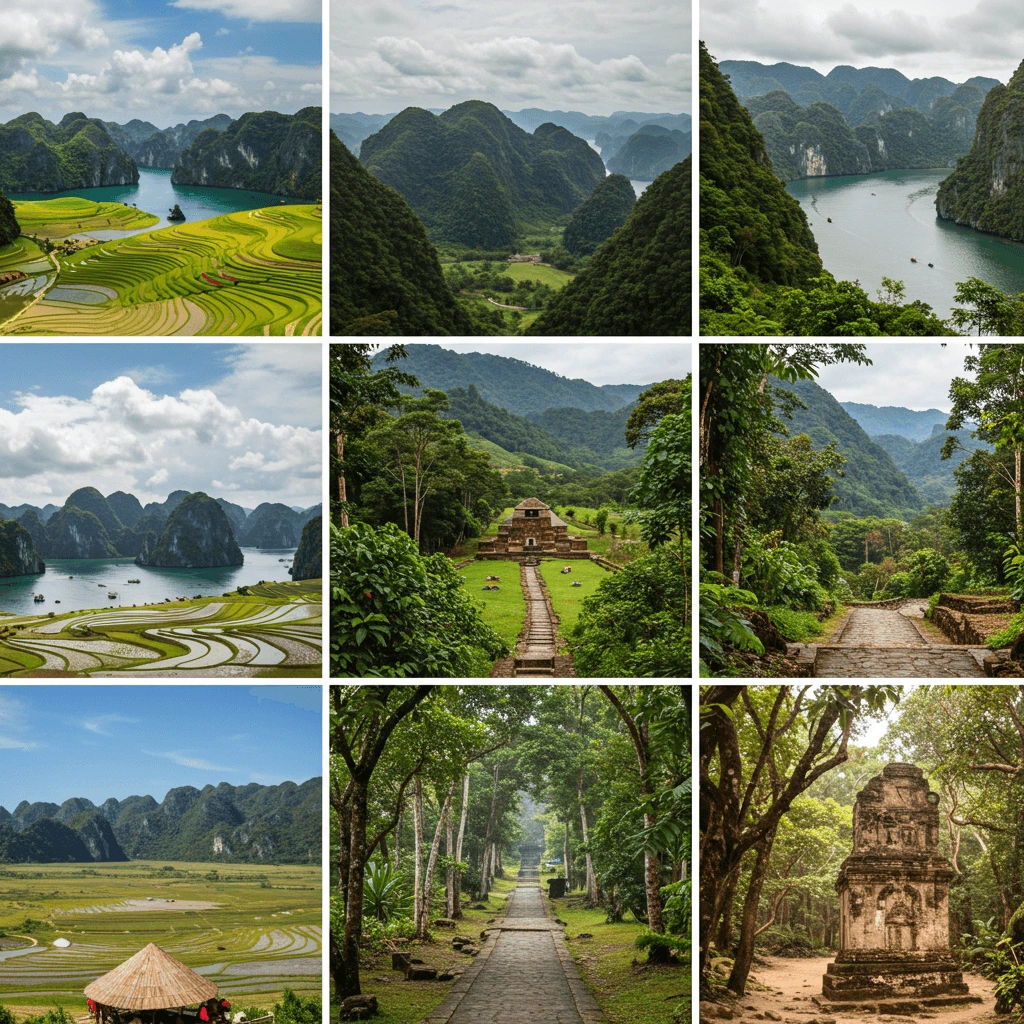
(913, 424)
(568, 436)
(922, 464)
(252, 824)
(512, 384)
(871, 484)
(476, 178)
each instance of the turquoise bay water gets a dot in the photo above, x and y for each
(880, 220)
(638, 186)
(94, 577)
(155, 194)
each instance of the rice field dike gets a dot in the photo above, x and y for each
(271, 629)
(252, 929)
(252, 272)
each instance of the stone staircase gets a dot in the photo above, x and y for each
(536, 650)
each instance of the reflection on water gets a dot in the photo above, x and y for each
(73, 584)
(880, 221)
(155, 194)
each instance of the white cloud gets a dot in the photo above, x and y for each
(125, 437)
(187, 761)
(13, 719)
(261, 10)
(101, 723)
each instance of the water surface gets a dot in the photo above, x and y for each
(95, 577)
(880, 220)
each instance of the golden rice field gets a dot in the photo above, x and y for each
(59, 218)
(254, 272)
(271, 630)
(253, 930)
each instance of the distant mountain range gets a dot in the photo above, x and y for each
(150, 146)
(90, 525)
(245, 824)
(913, 424)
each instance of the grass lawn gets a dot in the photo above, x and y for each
(503, 610)
(628, 990)
(530, 272)
(566, 599)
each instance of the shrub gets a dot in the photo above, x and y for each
(795, 626)
(384, 892)
(295, 1009)
(777, 576)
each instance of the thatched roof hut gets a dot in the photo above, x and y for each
(150, 980)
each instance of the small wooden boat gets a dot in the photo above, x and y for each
(829, 219)
(38, 598)
(112, 594)
(913, 259)
(931, 264)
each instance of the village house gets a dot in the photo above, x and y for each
(533, 529)
(520, 258)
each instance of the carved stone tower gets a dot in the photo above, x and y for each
(894, 900)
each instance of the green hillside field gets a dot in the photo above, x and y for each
(59, 218)
(255, 272)
(256, 929)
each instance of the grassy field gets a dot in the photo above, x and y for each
(529, 272)
(271, 630)
(628, 990)
(503, 610)
(58, 218)
(263, 934)
(256, 272)
(566, 599)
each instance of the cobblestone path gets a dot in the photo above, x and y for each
(523, 976)
(536, 650)
(883, 643)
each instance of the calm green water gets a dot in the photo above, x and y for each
(155, 194)
(880, 220)
(94, 577)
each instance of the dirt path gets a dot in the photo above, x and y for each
(790, 984)
(889, 643)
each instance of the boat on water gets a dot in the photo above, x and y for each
(38, 598)
(112, 594)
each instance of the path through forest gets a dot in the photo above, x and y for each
(792, 982)
(524, 974)
(889, 643)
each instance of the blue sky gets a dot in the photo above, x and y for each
(164, 61)
(96, 742)
(242, 422)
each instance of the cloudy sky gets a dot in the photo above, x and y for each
(956, 39)
(914, 376)
(598, 362)
(97, 742)
(163, 61)
(241, 422)
(597, 56)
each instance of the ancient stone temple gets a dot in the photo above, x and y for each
(894, 902)
(533, 529)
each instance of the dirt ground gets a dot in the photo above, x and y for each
(782, 990)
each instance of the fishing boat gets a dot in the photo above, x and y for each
(38, 598)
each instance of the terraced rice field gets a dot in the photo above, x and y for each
(274, 630)
(255, 272)
(260, 935)
(59, 218)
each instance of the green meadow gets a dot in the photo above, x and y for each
(253, 930)
(566, 599)
(503, 610)
(59, 218)
(255, 272)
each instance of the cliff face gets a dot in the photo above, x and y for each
(308, 563)
(266, 152)
(74, 533)
(18, 555)
(986, 190)
(162, 148)
(98, 837)
(197, 535)
(271, 526)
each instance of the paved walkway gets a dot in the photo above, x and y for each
(882, 644)
(523, 975)
(536, 650)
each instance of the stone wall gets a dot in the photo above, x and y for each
(969, 619)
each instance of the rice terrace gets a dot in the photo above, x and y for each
(253, 930)
(253, 272)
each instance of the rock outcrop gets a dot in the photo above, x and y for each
(18, 555)
(98, 837)
(75, 533)
(198, 535)
(271, 525)
(308, 563)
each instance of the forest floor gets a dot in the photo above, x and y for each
(784, 987)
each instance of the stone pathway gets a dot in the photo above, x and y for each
(884, 644)
(523, 975)
(536, 650)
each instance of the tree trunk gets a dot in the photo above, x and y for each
(354, 898)
(748, 923)
(489, 837)
(591, 877)
(423, 922)
(417, 828)
(723, 939)
(565, 855)
(342, 492)
(1016, 488)
(398, 833)
(449, 878)
(719, 517)
(456, 908)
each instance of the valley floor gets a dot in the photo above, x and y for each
(273, 629)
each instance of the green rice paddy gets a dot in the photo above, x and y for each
(255, 272)
(59, 218)
(261, 935)
(269, 630)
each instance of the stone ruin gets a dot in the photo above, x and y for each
(894, 903)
